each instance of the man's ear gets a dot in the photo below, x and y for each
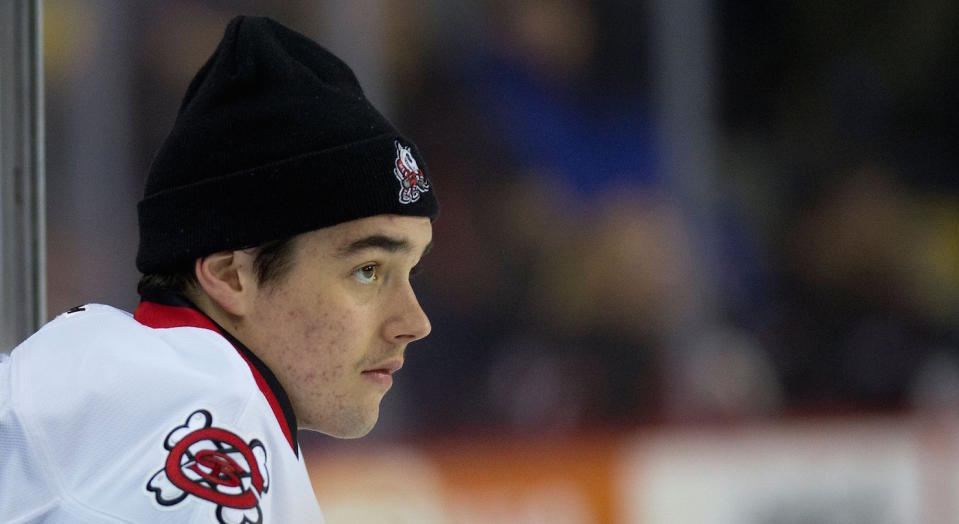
(227, 278)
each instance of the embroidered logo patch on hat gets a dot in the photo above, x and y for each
(412, 181)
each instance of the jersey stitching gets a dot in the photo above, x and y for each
(249, 398)
(37, 512)
(41, 452)
(70, 502)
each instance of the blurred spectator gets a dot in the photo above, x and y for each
(566, 240)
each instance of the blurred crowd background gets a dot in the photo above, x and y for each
(652, 212)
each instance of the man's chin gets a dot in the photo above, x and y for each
(349, 428)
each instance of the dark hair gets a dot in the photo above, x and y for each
(272, 262)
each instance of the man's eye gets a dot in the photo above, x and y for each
(366, 274)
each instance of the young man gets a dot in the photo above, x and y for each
(281, 221)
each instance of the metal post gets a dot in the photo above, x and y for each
(22, 224)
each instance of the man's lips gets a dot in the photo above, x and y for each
(382, 373)
(388, 366)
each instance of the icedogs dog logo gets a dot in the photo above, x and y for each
(412, 180)
(215, 465)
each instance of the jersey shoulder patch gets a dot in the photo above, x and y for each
(214, 465)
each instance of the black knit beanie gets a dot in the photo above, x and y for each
(274, 138)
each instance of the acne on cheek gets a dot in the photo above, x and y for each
(307, 373)
(327, 330)
(318, 348)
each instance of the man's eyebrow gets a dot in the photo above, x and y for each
(383, 242)
(375, 242)
(386, 243)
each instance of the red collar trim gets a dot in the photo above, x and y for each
(158, 316)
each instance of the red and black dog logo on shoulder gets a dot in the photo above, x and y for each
(216, 465)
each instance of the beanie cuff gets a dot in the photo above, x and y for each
(279, 200)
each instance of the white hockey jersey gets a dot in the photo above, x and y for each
(157, 417)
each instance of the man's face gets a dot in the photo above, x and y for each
(335, 327)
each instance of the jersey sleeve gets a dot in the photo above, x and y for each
(133, 424)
